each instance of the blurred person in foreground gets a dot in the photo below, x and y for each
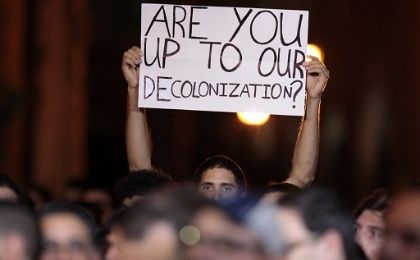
(19, 236)
(178, 224)
(402, 240)
(67, 233)
(313, 226)
(219, 177)
(370, 223)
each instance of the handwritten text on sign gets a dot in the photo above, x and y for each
(223, 59)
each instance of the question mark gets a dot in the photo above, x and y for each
(297, 91)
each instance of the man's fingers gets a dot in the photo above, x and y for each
(137, 49)
(312, 57)
(135, 55)
(128, 59)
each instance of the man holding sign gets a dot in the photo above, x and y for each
(220, 177)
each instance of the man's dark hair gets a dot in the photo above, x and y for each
(140, 183)
(221, 161)
(67, 208)
(18, 220)
(174, 206)
(321, 212)
(377, 201)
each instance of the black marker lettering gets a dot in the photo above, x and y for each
(223, 89)
(146, 96)
(245, 89)
(178, 22)
(236, 85)
(165, 50)
(279, 59)
(172, 89)
(159, 88)
(157, 54)
(267, 86)
(241, 22)
(298, 63)
(261, 59)
(272, 91)
(210, 51)
(297, 38)
(165, 20)
(252, 26)
(195, 23)
(221, 57)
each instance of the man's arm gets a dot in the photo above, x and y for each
(306, 151)
(138, 141)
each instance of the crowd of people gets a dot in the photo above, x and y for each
(150, 216)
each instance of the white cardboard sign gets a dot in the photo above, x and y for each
(223, 59)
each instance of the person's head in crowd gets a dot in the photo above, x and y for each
(19, 235)
(11, 191)
(370, 223)
(220, 178)
(73, 191)
(138, 184)
(213, 234)
(67, 232)
(274, 191)
(39, 195)
(313, 226)
(99, 197)
(149, 228)
(261, 220)
(402, 219)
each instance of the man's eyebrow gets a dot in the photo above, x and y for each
(229, 184)
(376, 228)
(206, 183)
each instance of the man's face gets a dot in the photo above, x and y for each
(66, 237)
(8, 194)
(219, 184)
(403, 228)
(158, 243)
(370, 228)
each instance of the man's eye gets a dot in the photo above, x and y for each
(228, 188)
(377, 234)
(206, 187)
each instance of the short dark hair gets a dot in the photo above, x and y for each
(140, 183)
(221, 161)
(16, 219)
(377, 201)
(175, 206)
(321, 212)
(67, 208)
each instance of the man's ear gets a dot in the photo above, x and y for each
(332, 245)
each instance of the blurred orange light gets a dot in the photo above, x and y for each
(255, 119)
(315, 50)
